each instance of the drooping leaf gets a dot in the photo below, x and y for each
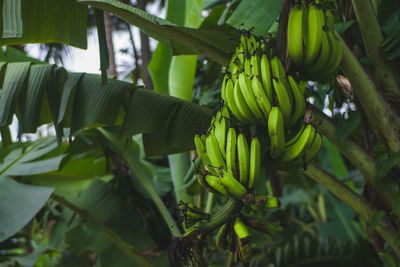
(15, 82)
(79, 100)
(175, 122)
(256, 14)
(12, 19)
(96, 103)
(35, 102)
(42, 21)
(18, 204)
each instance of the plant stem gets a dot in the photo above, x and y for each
(210, 202)
(355, 154)
(373, 37)
(383, 120)
(384, 228)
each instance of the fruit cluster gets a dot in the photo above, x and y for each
(261, 121)
(311, 41)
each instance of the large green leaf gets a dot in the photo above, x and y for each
(43, 21)
(18, 204)
(80, 100)
(216, 43)
(258, 15)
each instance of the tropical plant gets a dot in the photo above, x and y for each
(116, 185)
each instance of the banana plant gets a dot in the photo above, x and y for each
(41, 93)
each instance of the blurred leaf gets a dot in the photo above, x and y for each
(386, 162)
(376, 218)
(42, 21)
(257, 14)
(131, 156)
(347, 126)
(159, 68)
(344, 26)
(18, 204)
(335, 162)
(117, 234)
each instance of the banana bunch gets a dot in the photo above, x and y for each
(311, 40)
(298, 151)
(255, 82)
(232, 164)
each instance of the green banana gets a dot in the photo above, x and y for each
(243, 158)
(255, 161)
(240, 229)
(241, 104)
(300, 146)
(201, 179)
(201, 149)
(223, 88)
(265, 68)
(316, 22)
(247, 92)
(261, 98)
(255, 65)
(231, 103)
(231, 151)
(294, 138)
(221, 127)
(318, 68)
(233, 186)
(336, 57)
(299, 102)
(279, 74)
(216, 184)
(295, 35)
(308, 156)
(243, 248)
(276, 131)
(214, 153)
(282, 95)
